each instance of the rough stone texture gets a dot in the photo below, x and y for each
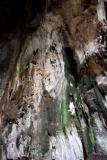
(53, 102)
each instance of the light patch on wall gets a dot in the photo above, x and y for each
(71, 108)
(88, 50)
(67, 147)
(101, 11)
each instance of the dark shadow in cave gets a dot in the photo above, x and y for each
(72, 65)
(105, 4)
(16, 13)
(87, 3)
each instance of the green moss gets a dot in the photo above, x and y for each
(93, 138)
(87, 140)
(63, 107)
(65, 114)
(77, 124)
(71, 94)
(68, 95)
(87, 132)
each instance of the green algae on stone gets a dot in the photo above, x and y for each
(64, 114)
(87, 132)
(88, 139)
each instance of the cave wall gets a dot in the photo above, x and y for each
(53, 87)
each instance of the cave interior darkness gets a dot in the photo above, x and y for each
(17, 13)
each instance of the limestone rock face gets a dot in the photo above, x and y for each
(53, 81)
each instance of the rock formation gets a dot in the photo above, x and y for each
(53, 80)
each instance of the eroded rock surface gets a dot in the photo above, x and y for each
(53, 102)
